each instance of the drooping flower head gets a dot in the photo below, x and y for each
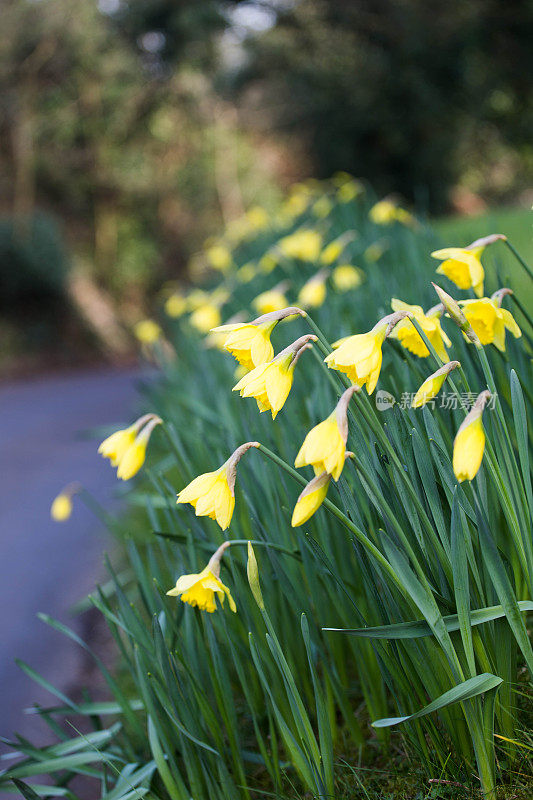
(433, 384)
(313, 292)
(334, 249)
(346, 277)
(360, 356)
(61, 508)
(409, 337)
(302, 245)
(250, 342)
(469, 443)
(147, 331)
(126, 449)
(462, 265)
(324, 447)
(489, 320)
(310, 499)
(213, 493)
(271, 383)
(200, 589)
(272, 300)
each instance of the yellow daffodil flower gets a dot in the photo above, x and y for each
(147, 331)
(219, 257)
(310, 499)
(213, 493)
(200, 590)
(249, 342)
(433, 384)
(271, 383)
(313, 292)
(375, 250)
(409, 337)
(385, 212)
(205, 317)
(303, 245)
(469, 443)
(324, 447)
(246, 273)
(349, 190)
(126, 449)
(334, 249)
(322, 207)
(345, 277)
(489, 320)
(271, 300)
(462, 265)
(257, 218)
(268, 262)
(61, 508)
(360, 356)
(175, 305)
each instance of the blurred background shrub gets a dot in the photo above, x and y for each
(141, 128)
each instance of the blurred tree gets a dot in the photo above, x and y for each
(401, 92)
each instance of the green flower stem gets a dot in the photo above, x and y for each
(333, 509)
(323, 342)
(519, 258)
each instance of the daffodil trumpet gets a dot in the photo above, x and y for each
(462, 265)
(433, 384)
(469, 443)
(200, 589)
(270, 383)
(213, 493)
(61, 507)
(429, 321)
(249, 342)
(360, 356)
(489, 320)
(324, 447)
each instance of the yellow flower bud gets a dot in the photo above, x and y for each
(310, 499)
(433, 384)
(469, 443)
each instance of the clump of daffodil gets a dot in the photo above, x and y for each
(409, 337)
(385, 212)
(335, 249)
(126, 449)
(324, 447)
(271, 383)
(310, 499)
(433, 384)
(200, 589)
(360, 356)
(302, 245)
(249, 342)
(175, 305)
(61, 507)
(219, 257)
(272, 300)
(489, 320)
(462, 265)
(213, 493)
(313, 292)
(469, 443)
(346, 277)
(147, 331)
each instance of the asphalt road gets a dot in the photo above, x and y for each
(44, 565)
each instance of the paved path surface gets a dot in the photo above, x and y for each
(46, 566)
